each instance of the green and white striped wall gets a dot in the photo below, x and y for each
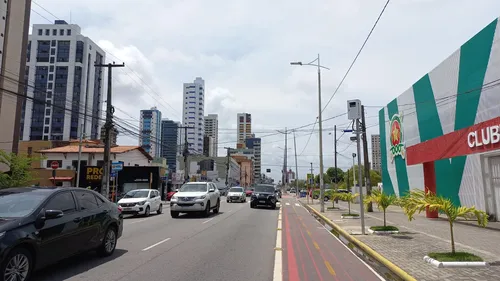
(463, 90)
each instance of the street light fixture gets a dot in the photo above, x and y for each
(317, 64)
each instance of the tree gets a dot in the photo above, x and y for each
(19, 173)
(374, 176)
(331, 173)
(326, 179)
(349, 197)
(333, 195)
(382, 199)
(418, 201)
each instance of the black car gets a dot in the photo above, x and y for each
(41, 226)
(263, 195)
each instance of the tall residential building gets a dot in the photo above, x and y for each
(113, 134)
(254, 143)
(169, 142)
(212, 130)
(150, 130)
(14, 29)
(376, 154)
(193, 114)
(208, 146)
(60, 66)
(244, 128)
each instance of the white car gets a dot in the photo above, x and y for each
(141, 202)
(195, 197)
(236, 194)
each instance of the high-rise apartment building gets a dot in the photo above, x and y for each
(113, 134)
(193, 114)
(60, 66)
(212, 130)
(208, 146)
(254, 143)
(376, 154)
(170, 135)
(14, 29)
(150, 130)
(244, 129)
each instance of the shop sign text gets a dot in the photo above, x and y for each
(484, 136)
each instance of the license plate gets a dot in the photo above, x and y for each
(262, 201)
(127, 209)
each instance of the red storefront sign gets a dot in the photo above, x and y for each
(481, 137)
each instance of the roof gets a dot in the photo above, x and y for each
(96, 149)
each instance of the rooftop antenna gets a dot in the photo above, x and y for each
(69, 16)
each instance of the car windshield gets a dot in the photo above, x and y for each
(17, 205)
(263, 188)
(236, 189)
(201, 187)
(137, 194)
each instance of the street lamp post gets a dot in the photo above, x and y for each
(317, 64)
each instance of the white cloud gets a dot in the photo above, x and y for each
(243, 48)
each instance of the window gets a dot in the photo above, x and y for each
(46, 130)
(63, 201)
(47, 32)
(54, 32)
(53, 43)
(40, 32)
(47, 111)
(86, 200)
(68, 32)
(51, 68)
(47, 121)
(61, 31)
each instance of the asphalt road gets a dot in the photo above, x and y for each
(311, 253)
(237, 244)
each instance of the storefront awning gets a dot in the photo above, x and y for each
(62, 178)
(481, 137)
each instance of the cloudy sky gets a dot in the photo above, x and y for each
(242, 48)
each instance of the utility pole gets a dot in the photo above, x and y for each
(320, 125)
(82, 133)
(296, 168)
(335, 153)
(312, 185)
(368, 183)
(360, 178)
(185, 153)
(286, 156)
(227, 165)
(108, 126)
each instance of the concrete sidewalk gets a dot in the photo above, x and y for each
(421, 236)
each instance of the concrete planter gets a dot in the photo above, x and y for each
(383, 232)
(448, 264)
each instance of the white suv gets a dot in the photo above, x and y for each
(195, 197)
(141, 202)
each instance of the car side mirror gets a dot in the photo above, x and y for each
(52, 214)
(176, 190)
(211, 190)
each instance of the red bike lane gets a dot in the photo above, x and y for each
(311, 253)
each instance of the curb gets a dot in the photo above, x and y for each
(361, 248)
(448, 264)
(383, 232)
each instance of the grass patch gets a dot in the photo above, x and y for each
(332, 208)
(384, 228)
(458, 256)
(350, 215)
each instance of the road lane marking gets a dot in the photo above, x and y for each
(208, 220)
(278, 254)
(229, 211)
(288, 204)
(308, 232)
(137, 221)
(297, 204)
(316, 245)
(154, 245)
(330, 268)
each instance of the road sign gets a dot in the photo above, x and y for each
(112, 174)
(54, 165)
(310, 178)
(117, 166)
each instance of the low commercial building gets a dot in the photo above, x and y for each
(443, 134)
(210, 169)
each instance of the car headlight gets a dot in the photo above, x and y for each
(200, 197)
(173, 198)
(141, 203)
(255, 194)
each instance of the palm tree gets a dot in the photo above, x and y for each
(333, 195)
(418, 201)
(349, 197)
(382, 199)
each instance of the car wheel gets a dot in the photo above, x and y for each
(174, 214)
(216, 210)
(160, 209)
(207, 210)
(108, 243)
(273, 206)
(17, 265)
(147, 212)
(228, 201)
(252, 206)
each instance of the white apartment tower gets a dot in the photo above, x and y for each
(376, 154)
(193, 114)
(60, 66)
(244, 129)
(212, 130)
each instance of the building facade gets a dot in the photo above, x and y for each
(212, 130)
(113, 133)
(170, 142)
(255, 144)
(60, 66)
(376, 156)
(14, 27)
(244, 121)
(208, 146)
(150, 128)
(193, 114)
(453, 99)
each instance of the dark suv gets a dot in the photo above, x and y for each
(263, 195)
